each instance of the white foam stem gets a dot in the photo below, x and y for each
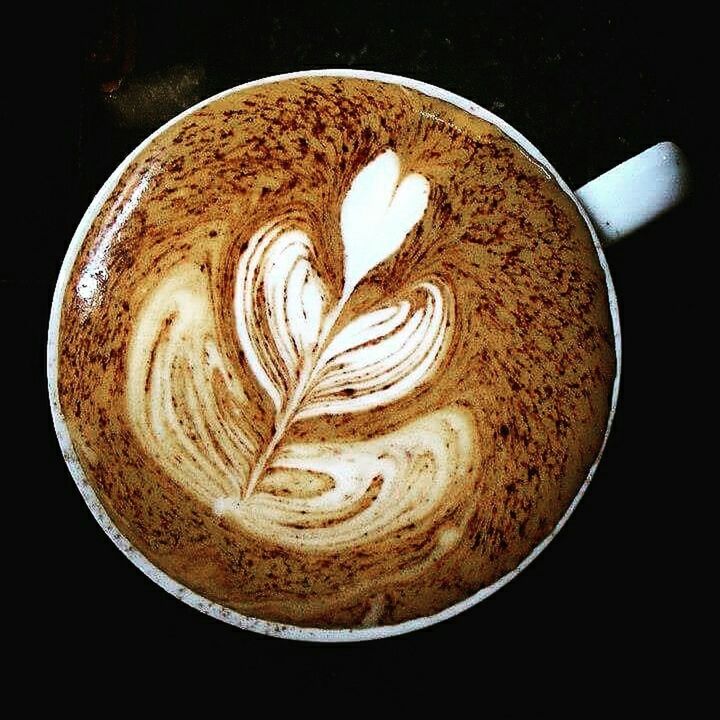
(289, 412)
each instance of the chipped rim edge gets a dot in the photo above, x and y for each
(220, 612)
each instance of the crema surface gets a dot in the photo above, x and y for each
(336, 353)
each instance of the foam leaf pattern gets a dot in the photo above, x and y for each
(380, 356)
(286, 318)
(279, 293)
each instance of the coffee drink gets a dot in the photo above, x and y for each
(335, 353)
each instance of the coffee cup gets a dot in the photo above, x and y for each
(423, 315)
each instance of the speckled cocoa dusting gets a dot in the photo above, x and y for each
(247, 463)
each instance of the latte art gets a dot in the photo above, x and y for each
(335, 353)
(310, 363)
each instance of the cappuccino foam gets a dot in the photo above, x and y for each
(335, 353)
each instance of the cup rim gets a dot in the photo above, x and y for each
(181, 592)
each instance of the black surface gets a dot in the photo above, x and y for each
(598, 611)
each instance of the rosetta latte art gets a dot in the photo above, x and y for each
(311, 360)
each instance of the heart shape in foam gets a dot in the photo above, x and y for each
(378, 212)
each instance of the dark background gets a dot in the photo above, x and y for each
(590, 84)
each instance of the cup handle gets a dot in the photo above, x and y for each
(636, 191)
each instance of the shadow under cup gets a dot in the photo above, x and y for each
(417, 318)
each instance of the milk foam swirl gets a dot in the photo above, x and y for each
(183, 400)
(334, 496)
(311, 361)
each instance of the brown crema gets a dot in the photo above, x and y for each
(307, 452)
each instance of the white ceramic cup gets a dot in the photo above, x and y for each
(613, 205)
